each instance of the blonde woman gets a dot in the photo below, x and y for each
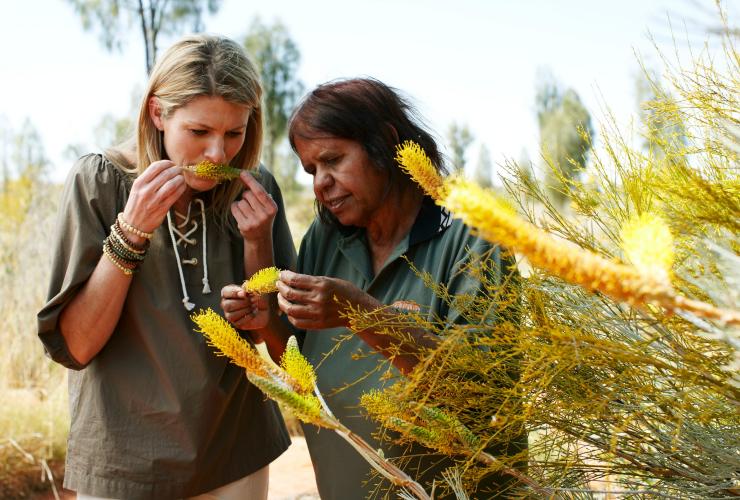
(141, 243)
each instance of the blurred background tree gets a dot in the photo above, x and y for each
(112, 20)
(459, 139)
(565, 135)
(277, 57)
(483, 174)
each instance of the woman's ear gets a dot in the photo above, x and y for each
(155, 112)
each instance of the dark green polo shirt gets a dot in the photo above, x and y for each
(436, 244)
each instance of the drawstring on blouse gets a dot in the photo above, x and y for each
(187, 240)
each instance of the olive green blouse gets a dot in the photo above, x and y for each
(156, 414)
(347, 369)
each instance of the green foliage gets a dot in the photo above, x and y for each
(113, 19)
(277, 58)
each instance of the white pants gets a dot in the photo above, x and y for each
(253, 486)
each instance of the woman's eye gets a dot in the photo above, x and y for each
(234, 134)
(196, 131)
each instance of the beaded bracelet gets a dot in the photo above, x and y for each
(115, 262)
(118, 233)
(116, 241)
(131, 229)
(124, 261)
(123, 252)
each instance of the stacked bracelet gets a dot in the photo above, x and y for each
(121, 251)
(120, 237)
(131, 229)
(127, 269)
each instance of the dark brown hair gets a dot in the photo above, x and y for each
(367, 111)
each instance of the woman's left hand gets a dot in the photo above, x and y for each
(315, 302)
(255, 211)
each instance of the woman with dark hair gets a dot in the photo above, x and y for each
(373, 222)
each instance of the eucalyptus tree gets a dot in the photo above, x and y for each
(113, 19)
(277, 58)
(459, 139)
(565, 135)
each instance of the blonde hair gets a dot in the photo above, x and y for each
(198, 65)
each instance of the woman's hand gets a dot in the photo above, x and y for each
(152, 195)
(245, 311)
(316, 302)
(255, 211)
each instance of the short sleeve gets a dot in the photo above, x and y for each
(94, 192)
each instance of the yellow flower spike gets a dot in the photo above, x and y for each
(263, 281)
(497, 222)
(648, 244)
(221, 335)
(416, 163)
(210, 170)
(298, 367)
(305, 407)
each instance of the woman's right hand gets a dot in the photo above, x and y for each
(246, 311)
(152, 195)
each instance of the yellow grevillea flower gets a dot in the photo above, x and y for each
(304, 406)
(263, 281)
(483, 210)
(210, 170)
(648, 244)
(221, 335)
(417, 164)
(298, 366)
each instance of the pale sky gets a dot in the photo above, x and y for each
(469, 61)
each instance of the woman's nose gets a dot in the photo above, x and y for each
(215, 151)
(321, 181)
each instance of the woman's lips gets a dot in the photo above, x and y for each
(335, 203)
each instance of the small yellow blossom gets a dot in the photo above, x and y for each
(298, 367)
(263, 281)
